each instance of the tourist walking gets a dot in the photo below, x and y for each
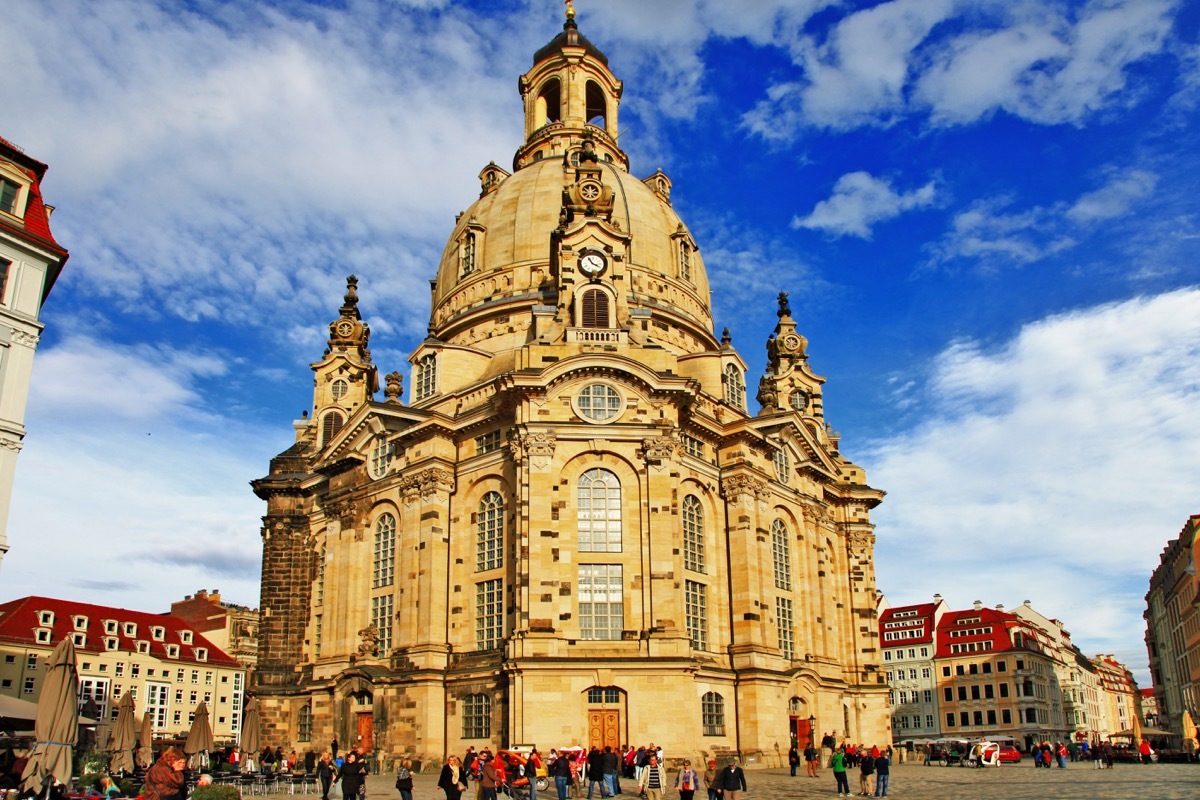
(811, 760)
(732, 781)
(353, 776)
(404, 780)
(653, 779)
(451, 781)
(793, 759)
(710, 780)
(687, 780)
(326, 771)
(560, 770)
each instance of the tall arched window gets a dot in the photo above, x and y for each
(490, 542)
(594, 309)
(321, 576)
(426, 376)
(467, 254)
(735, 387)
(548, 106)
(597, 107)
(384, 572)
(712, 714)
(693, 534)
(781, 555)
(331, 423)
(685, 261)
(599, 512)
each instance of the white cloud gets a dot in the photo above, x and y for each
(859, 201)
(992, 233)
(1053, 467)
(1044, 62)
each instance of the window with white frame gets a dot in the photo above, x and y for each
(426, 376)
(598, 402)
(467, 253)
(693, 446)
(783, 464)
(489, 543)
(158, 702)
(599, 525)
(735, 387)
(787, 627)
(9, 192)
(489, 614)
(693, 533)
(695, 612)
(712, 714)
(685, 260)
(185, 637)
(381, 617)
(384, 564)
(781, 555)
(601, 601)
(477, 716)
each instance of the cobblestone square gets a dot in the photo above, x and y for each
(917, 782)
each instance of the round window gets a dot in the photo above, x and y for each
(340, 387)
(599, 402)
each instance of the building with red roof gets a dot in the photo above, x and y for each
(30, 263)
(167, 665)
(907, 638)
(231, 627)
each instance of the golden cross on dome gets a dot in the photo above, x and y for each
(570, 9)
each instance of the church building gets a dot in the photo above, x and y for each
(572, 529)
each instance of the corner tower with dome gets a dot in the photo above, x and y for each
(573, 531)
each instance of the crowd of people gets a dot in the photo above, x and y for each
(577, 774)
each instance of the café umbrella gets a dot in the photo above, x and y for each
(145, 751)
(122, 739)
(249, 741)
(56, 727)
(199, 739)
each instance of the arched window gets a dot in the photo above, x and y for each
(384, 572)
(693, 534)
(477, 716)
(331, 423)
(597, 107)
(426, 376)
(685, 261)
(595, 309)
(381, 456)
(712, 714)
(321, 576)
(735, 387)
(781, 555)
(599, 512)
(548, 106)
(490, 541)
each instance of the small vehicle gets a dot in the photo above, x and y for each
(982, 754)
(1009, 755)
(948, 751)
(515, 763)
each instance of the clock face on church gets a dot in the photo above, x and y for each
(592, 263)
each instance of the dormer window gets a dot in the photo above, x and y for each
(81, 623)
(42, 635)
(185, 637)
(10, 193)
(143, 647)
(201, 654)
(172, 651)
(80, 639)
(685, 261)
(110, 626)
(158, 633)
(45, 617)
(470, 248)
(131, 629)
(110, 643)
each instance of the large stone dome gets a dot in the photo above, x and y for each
(513, 227)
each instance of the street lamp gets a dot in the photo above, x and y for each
(812, 730)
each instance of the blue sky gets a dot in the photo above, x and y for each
(985, 213)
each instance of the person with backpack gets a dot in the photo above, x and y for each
(838, 762)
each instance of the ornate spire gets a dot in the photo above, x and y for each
(348, 330)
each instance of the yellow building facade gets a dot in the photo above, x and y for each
(574, 531)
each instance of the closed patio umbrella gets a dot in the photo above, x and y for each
(123, 738)
(249, 741)
(145, 751)
(199, 739)
(56, 728)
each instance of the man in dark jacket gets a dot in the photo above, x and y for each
(610, 763)
(732, 781)
(595, 772)
(881, 775)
